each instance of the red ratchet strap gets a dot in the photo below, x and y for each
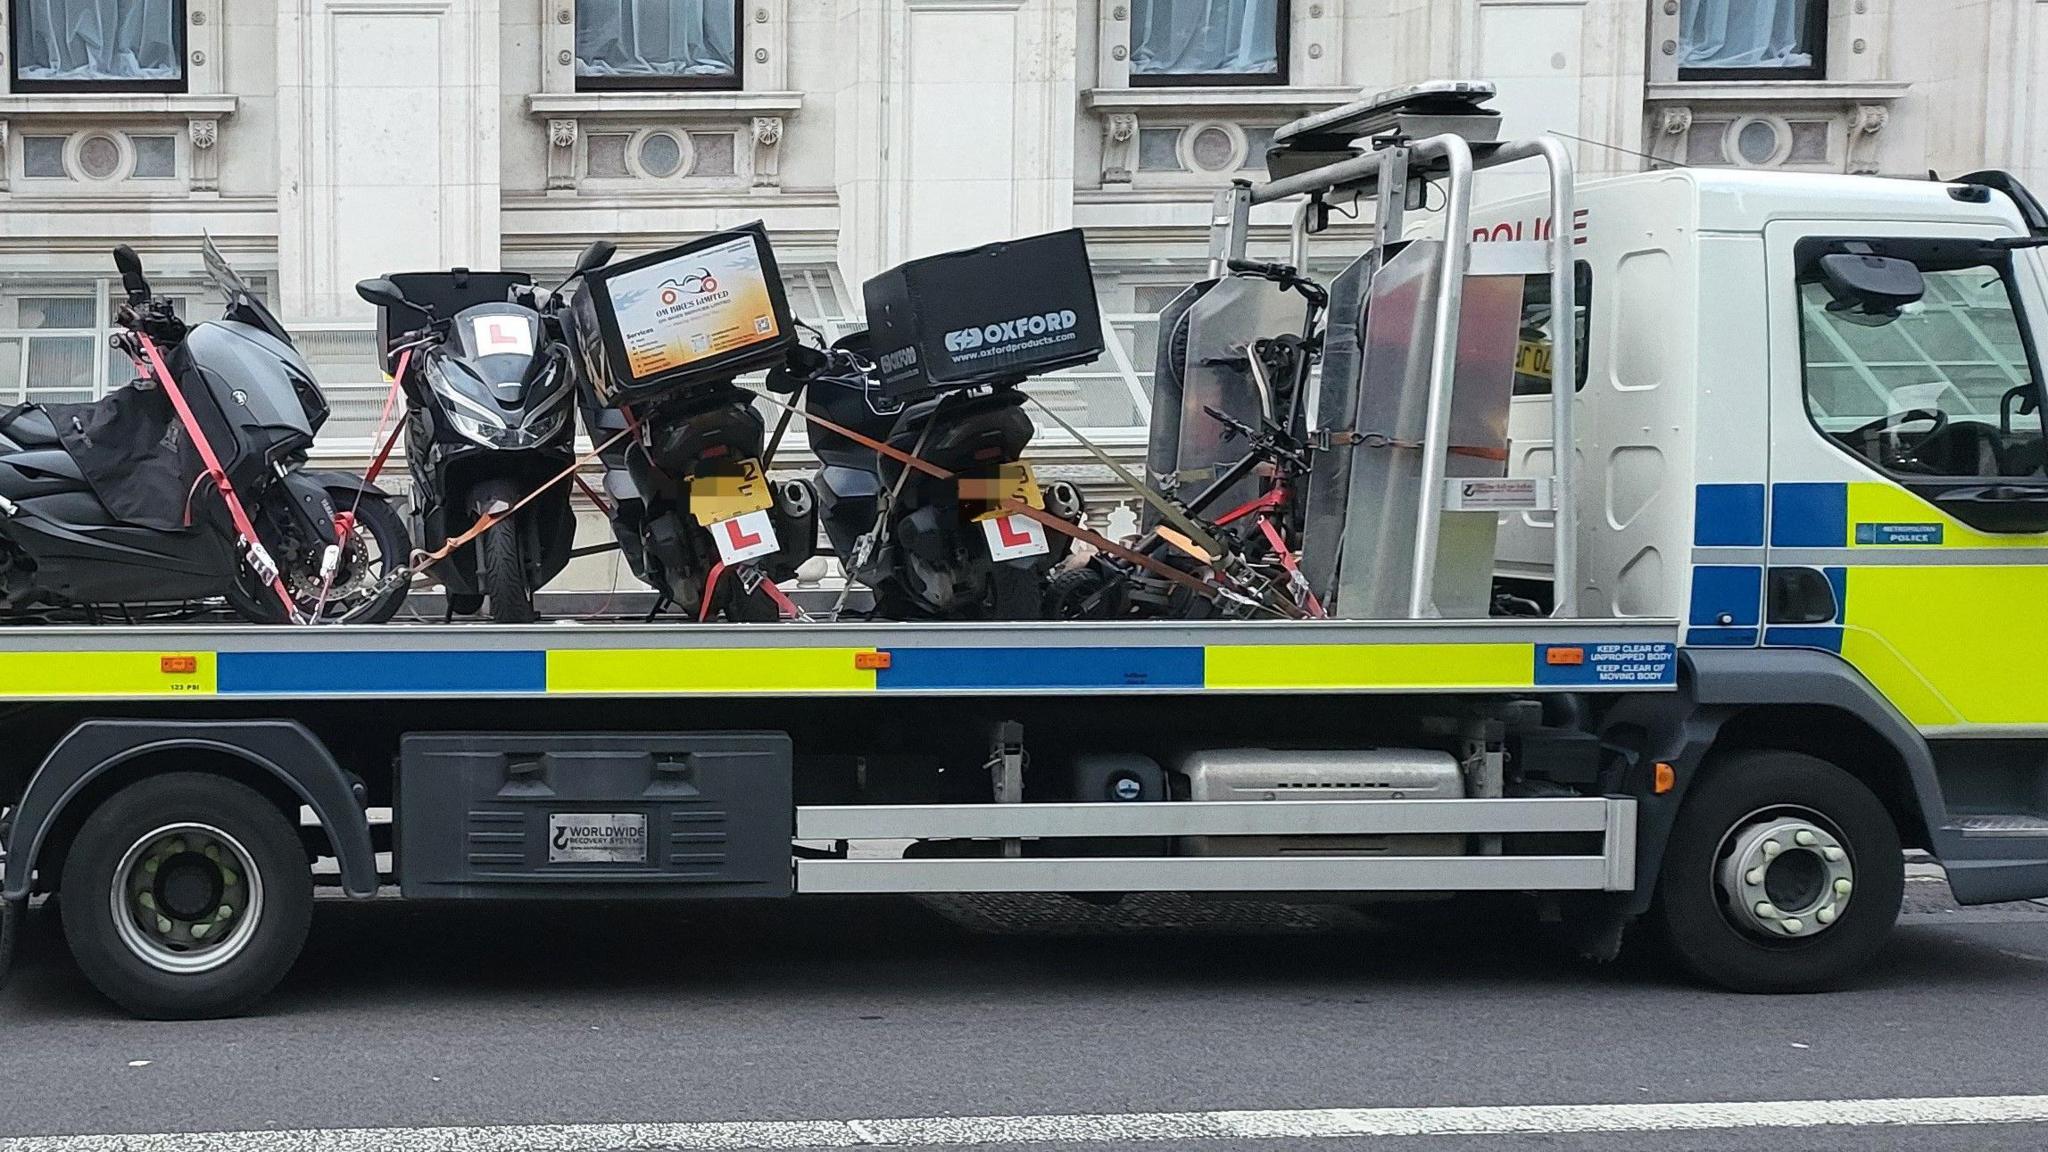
(345, 522)
(1313, 606)
(783, 604)
(1016, 507)
(484, 522)
(383, 418)
(710, 586)
(211, 462)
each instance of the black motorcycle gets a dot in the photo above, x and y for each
(489, 391)
(190, 484)
(691, 465)
(929, 546)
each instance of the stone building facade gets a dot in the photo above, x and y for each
(322, 141)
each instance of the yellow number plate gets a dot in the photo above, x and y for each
(1532, 358)
(987, 495)
(733, 491)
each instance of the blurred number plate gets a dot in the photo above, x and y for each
(718, 496)
(1012, 483)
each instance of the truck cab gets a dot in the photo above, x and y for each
(1782, 464)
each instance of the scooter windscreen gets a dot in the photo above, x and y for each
(243, 305)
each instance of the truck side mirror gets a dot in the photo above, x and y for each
(383, 293)
(1870, 286)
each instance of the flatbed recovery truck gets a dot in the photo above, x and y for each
(1788, 640)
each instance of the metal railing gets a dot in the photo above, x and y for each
(1385, 173)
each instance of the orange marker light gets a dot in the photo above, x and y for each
(178, 665)
(871, 661)
(1564, 655)
(1664, 778)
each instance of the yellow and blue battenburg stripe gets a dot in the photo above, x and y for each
(1942, 619)
(792, 670)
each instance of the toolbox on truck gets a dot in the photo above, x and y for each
(691, 316)
(608, 815)
(987, 315)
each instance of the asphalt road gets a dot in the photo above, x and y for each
(407, 1016)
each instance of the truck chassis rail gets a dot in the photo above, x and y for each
(147, 662)
(1611, 870)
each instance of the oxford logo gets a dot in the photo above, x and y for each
(1009, 331)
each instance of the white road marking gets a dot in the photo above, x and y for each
(967, 1131)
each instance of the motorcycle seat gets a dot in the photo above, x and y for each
(910, 424)
(28, 426)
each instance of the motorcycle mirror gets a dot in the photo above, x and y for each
(383, 293)
(131, 274)
(594, 257)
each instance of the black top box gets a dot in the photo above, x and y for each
(687, 317)
(989, 315)
(442, 295)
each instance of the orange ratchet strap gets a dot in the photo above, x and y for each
(484, 522)
(1075, 531)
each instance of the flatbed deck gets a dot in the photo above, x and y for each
(807, 659)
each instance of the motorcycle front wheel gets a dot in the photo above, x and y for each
(501, 570)
(363, 591)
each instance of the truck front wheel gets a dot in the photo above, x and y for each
(1783, 874)
(186, 896)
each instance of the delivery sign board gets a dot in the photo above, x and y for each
(694, 315)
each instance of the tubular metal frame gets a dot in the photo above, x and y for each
(1385, 173)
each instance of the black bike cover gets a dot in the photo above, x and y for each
(134, 453)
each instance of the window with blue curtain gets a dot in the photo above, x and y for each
(1208, 41)
(97, 44)
(657, 44)
(1763, 39)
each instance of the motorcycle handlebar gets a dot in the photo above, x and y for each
(1285, 275)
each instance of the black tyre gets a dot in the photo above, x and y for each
(501, 571)
(1017, 590)
(1783, 874)
(379, 547)
(186, 897)
(1082, 593)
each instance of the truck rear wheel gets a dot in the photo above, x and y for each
(1783, 874)
(186, 896)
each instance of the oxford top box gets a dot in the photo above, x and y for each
(987, 315)
(691, 316)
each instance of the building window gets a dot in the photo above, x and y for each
(1753, 40)
(1209, 42)
(99, 45)
(1946, 388)
(657, 44)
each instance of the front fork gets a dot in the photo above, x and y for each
(309, 514)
